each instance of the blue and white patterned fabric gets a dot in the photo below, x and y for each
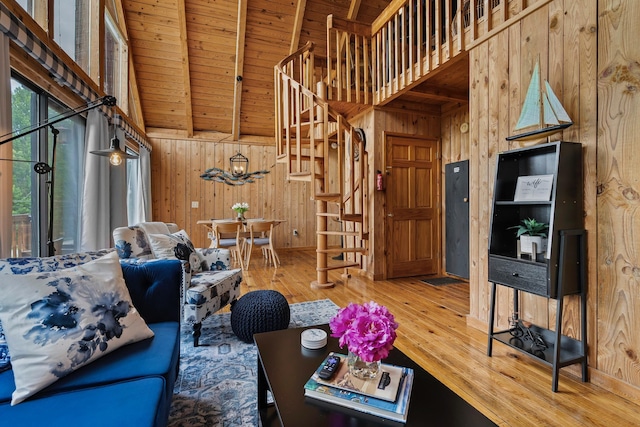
(44, 264)
(40, 265)
(203, 293)
(5, 359)
(58, 321)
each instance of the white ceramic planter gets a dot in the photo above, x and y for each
(527, 247)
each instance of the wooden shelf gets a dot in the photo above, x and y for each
(561, 269)
(570, 349)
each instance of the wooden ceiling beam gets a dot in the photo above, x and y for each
(209, 136)
(239, 69)
(186, 74)
(354, 8)
(297, 25)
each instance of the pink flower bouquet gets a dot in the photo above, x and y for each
(368, 330)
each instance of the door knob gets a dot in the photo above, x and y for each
(466, 199)
(390, 215)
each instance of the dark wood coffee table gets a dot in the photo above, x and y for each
(284, 366)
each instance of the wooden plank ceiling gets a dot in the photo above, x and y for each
(207, 65)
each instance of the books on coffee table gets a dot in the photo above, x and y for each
(384, 387)
(396, 409)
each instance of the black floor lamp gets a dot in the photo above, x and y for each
(42, 168)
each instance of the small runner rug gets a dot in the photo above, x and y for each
(439, 281)
(217, 383)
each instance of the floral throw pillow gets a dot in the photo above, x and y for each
(5, 360)
(176, 245)
(131, 242)
(56, 322)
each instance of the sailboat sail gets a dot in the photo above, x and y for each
(547, 110)
(558, 109)
(541, 108)
(530, 115)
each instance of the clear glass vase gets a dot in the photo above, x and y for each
(361, 369)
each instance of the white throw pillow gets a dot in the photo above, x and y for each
(55, 322)
(164, 246)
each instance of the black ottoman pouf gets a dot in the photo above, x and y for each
(259, 311)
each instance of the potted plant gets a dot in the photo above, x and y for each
(531, 231)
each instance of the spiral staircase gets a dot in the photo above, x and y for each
(319, 145)
(365, 65)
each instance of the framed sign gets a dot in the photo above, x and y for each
(533, 188)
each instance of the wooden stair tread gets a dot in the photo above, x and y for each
(299, 176)
(339, 233)
(327, 214)
(338, 266)
(341, 250)
(348, 109)
(327, 196)
(352, 217)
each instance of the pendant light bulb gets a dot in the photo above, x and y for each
(115, 159)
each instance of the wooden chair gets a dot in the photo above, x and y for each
(228, 235)
(261, 236)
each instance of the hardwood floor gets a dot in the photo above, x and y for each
(509, 388)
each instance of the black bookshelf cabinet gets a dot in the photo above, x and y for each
(554, 273)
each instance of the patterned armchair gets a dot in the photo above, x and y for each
(208, 285)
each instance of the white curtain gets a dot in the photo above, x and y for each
(104, 201)
(139, 188)
(134, 197)
(96, 200)
(145, 183)
(118, 187)
(6, 171)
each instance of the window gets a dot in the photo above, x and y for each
(115, 63)
(73, 35)
(37, 10)
(25, 234)
(27, 5)
(69, 161)
(31, 197)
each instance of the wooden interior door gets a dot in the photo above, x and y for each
(412, 206)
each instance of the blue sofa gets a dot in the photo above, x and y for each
(131, 386)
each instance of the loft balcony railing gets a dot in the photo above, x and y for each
(373, 64)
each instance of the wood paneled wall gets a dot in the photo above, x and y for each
(616, 293)
(176, 168)
(574, 41)
(586, 52)
(376, 123)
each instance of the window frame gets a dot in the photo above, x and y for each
(41, 151)
(121, 73)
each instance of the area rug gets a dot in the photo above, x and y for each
(217, 383)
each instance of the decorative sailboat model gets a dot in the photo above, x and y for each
(541, 108)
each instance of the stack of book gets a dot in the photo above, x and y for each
(386, 396)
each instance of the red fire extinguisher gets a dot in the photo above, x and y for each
(379, 181)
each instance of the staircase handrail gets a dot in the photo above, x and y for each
(280, 67)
